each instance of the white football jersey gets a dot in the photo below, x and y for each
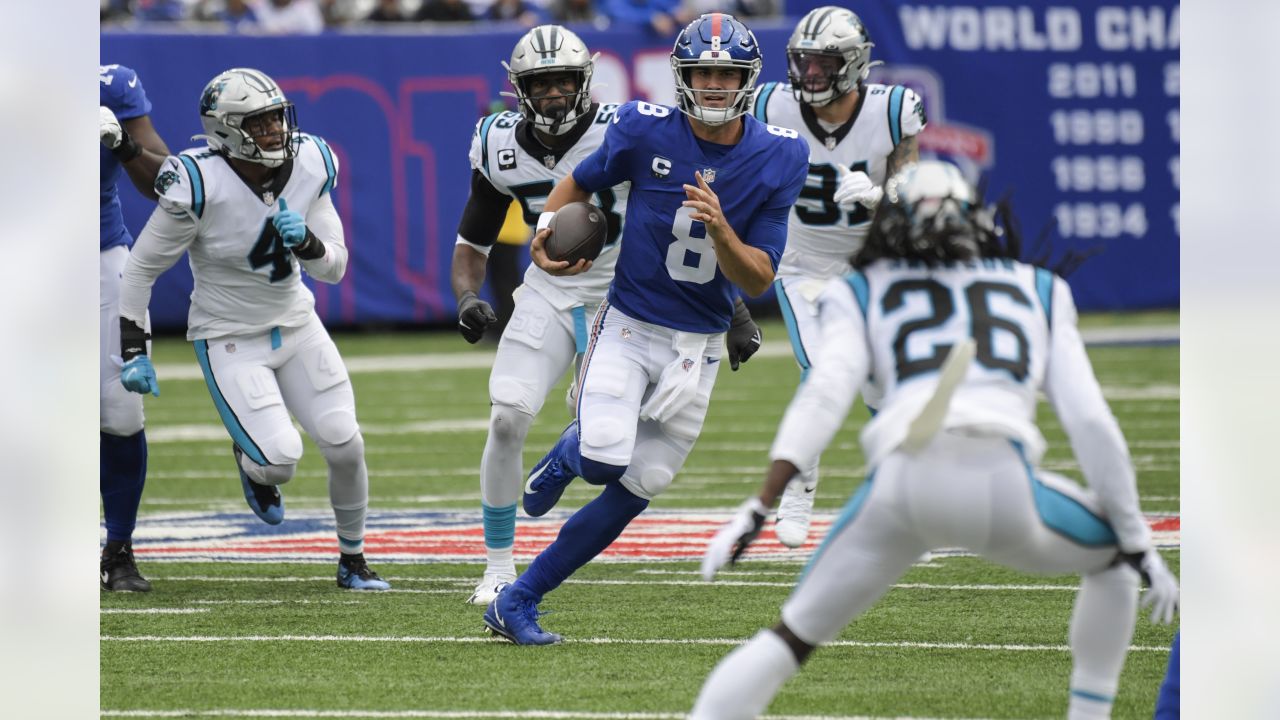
(246, 281)
(820, 235)
(897, 321)
(519, 167)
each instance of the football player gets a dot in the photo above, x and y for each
(129, 141)
(858, 133)
(710, 190)
(522, 155)
(253, 210)
(958, 337)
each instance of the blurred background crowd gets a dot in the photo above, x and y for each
(662, 17)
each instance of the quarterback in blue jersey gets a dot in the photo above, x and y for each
(711, 188)
(129, 141)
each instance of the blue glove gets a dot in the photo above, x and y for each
(138, 375)
(290, 225)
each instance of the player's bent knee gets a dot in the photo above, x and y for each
(283, 449)
(604, 433)
(653, 481)
(598, 473)
(512, 393)
(350, 452)
(508, 426)
(336, 427)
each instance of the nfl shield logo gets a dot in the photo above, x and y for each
(686, 364)
(269, 197)
(231, 347)
(709, 174)
(549, 161)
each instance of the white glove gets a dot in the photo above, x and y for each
(732, 539)
(1162, 586)
(856, 187)
(109, 130)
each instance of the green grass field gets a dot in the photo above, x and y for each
(277, 638)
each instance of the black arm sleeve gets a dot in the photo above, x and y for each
(485, 212)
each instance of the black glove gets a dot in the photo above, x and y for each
(744, 336)
(474, 317)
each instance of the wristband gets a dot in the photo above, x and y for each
(128, 148)
(544, 220)
(133, 339)
(309, 249)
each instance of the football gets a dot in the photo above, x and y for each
(578, 231)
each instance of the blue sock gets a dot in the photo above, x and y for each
(122, 472)
(499, 525)
(592, 529)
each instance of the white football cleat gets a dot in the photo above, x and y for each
(487, 590)
(792, 525)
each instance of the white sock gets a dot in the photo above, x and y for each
(500, 561)
(745, 681)
(1101, 630)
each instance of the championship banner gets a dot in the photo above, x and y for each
(1073, 109)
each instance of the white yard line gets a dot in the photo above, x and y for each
(445, 639)
(458, 714)
(152, 611)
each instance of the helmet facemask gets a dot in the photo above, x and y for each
(687, 97)
(535, 107)
(268, 137)
(825, 33)
(545, 50)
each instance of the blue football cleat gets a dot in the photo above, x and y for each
(514, 616)
(264, 500)
(546, 483)
(354, 574)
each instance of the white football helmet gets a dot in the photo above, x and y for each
(930, 213)
(829, 32)
(239, 95)
(550, 49)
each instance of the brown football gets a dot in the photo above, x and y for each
(578, 231)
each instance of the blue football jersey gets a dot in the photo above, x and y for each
(667, 272)
(121, 90)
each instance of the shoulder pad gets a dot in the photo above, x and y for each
(906, 113)
(326, 158)
(913, 116)
(180, 186)
(479, 153)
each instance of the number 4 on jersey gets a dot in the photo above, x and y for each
(270, 250)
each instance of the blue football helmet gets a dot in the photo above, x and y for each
(715, 39)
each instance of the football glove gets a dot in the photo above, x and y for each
(139, 376)
(856, 188)
(109, 130)
(290, 225)
(474, 317)
(1162, 586)
(733, 538)
(114, 137)
(744, 337)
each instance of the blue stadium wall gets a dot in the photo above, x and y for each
(1072, 108)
